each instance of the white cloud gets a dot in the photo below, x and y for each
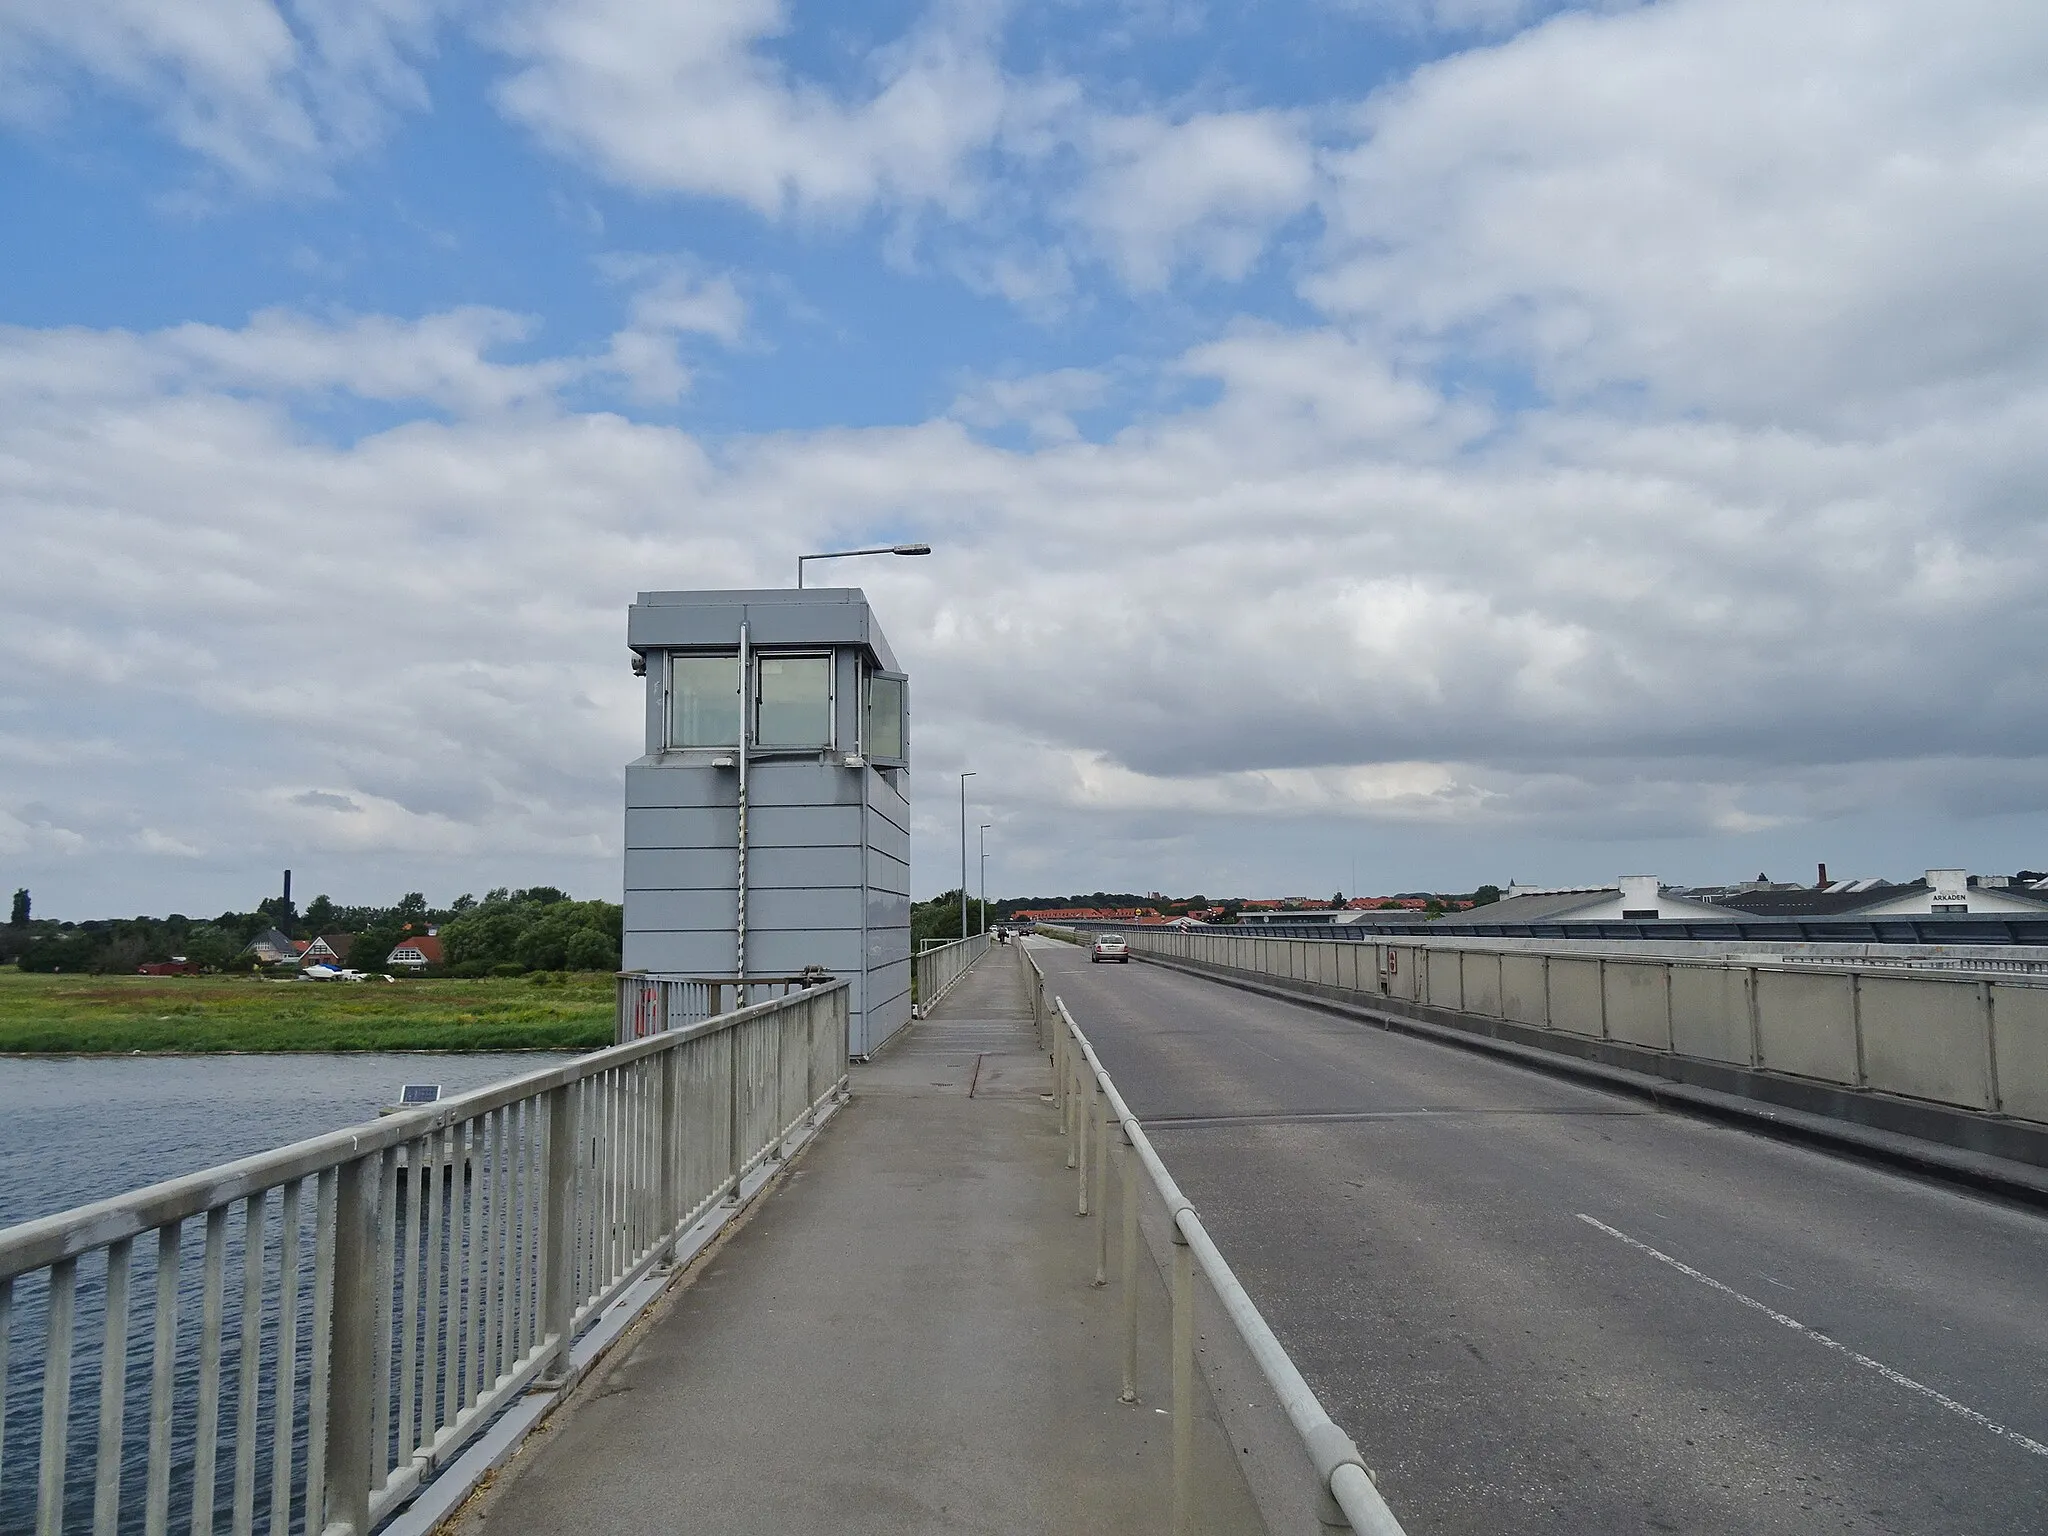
(673, 302)
(1207, 190)
(1043, 403)
(1757, 552)
(690, 98)
(1770, 210)
(262, 91)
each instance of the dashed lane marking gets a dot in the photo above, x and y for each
(1897, 1378)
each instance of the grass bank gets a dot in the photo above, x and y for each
(57, 1015)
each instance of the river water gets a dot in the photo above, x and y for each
(77, 1130)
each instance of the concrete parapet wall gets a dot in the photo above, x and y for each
(1960, 1041)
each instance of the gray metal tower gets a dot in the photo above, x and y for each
(767, 826)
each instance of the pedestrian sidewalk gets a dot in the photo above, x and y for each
(901, 1338)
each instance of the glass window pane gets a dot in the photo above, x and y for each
(795, 701)
(704, 701)
(882, 730)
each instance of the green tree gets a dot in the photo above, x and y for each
(320, 916)
(590, 950)
(18, 918)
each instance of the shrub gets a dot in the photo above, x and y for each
(509, 968)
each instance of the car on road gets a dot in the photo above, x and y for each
(1109, 946)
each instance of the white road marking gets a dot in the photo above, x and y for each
(1897, 1378)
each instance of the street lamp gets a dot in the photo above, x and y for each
(963, 849)
(984, 872)
(847, 554)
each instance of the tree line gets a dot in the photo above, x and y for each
(505, 932)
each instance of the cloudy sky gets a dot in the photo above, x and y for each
(1367, 443)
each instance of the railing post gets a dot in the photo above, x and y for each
(351, 1347)
(777, 1152)
(1101, 1129)
(1129, 1161)
(1083, 1113)
(668, 1208)
(735, 1158)
(557, 1228)
(812, 1093)
(1183, 1382)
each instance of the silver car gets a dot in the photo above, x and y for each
(1109, 946)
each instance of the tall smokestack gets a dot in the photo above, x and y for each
(287, 887)
(1821, 880)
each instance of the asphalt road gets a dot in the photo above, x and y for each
(1541, 1307)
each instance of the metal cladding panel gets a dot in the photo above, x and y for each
(884, 1016)
(1638, 1003)
(776, 869)
(801, 782)
(887, 945)
(682, 869)
(707, 953)
(1927, 1039)
(886, 796)
(685, 827)
(1482, 983)
(1521, 989)
(888, 874)
(885, 837)
(794, 909)
(802, 826)
(1575, 996)
(1444, 980)
(2020, 1017)
(773, 953)
(1806, 1025)
(677, 784)
(889, 910)
(680, 909)
(1710, 1012)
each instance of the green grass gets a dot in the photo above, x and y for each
(51, 1015)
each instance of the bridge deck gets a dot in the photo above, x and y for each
(901, 1339)
(1543, 1308)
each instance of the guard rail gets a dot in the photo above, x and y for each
(299, 1340)
(937, 968)
(1952, 1039)
(1090, 1105)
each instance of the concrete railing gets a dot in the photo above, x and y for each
(300, 1340)
(1952, 1039)
(1092, 1114)
(934, 971)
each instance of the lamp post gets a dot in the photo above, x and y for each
(963, 850)
(984, 872)
(847, 554)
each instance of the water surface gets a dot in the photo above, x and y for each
(78, 1129)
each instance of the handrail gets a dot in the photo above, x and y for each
(936, 969)
(366, 1301)
(1339, 1467)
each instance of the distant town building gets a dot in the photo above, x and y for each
(1938, 893)
(1632, 898)
(274, 948)
(416, 953)
(328, 949)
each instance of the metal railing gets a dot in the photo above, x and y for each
(1090, 1106)
(1964, 1040)
(937, 968)
(299, 1340)
(650, 1003)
